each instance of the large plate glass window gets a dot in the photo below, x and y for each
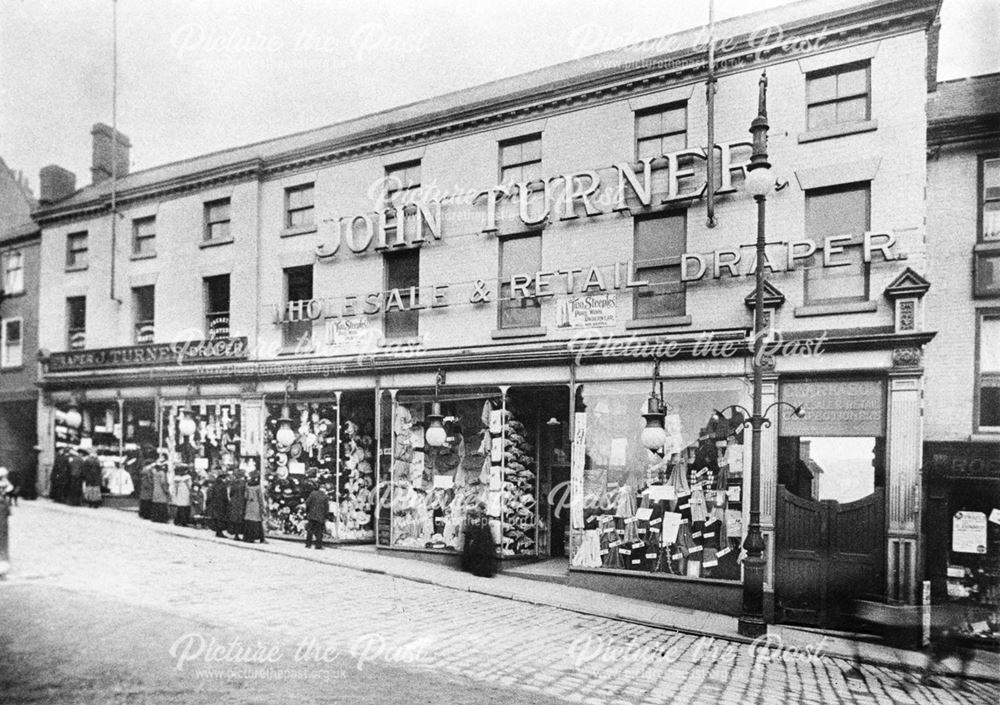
(678, 512)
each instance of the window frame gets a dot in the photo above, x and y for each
(71, 331)
(138, 324)
(660, 263)
(209, 221)
(857, 240)
(391, 169)
(507, 304)
(978, 427)
(290, 211)
(72, 253)
(387, 257)
(5, 270)
(212, 314)
(836, 70)
(981, 197)
(5, 362)
(681, 105)
(137, 224)
(291, 333)
(514, 142)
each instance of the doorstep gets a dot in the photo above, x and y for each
(984, 666)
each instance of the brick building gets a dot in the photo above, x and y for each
(376, 313)
(962, 426)
(19, 268)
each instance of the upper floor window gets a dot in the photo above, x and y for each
(217, 306)
(217, 220)
(842, 212)
(76, 322)
(660, 131)
(11, 342)
(12, 272)
(76, 250)
(838, 95)
(520, 256)
(402, 183)
(402, 271)
(144, 312)
(990, 195)
(521, 159)
(659, 243)
(299, 206)
(298, 287)
(144, 236)
(988, 365)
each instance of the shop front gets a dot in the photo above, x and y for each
(962, 529)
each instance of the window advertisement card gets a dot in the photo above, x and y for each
(671, 523)
(576, 469)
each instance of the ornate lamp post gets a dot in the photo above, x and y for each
(759, 182)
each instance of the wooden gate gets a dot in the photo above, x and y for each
(826, 554)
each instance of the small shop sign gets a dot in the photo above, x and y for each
(197, 351)
(594, 311)
(968, 532)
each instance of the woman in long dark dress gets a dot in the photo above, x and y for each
(479, 549)
(217, 505)
(253, 514)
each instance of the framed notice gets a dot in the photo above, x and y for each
(968, 532)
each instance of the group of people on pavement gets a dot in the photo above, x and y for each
(232, 502)
(77, 477)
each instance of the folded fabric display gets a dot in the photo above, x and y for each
(588, 555)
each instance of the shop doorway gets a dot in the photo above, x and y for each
(826, 555)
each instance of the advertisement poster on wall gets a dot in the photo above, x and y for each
(590, 311)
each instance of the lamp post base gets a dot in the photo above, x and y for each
(751, 627)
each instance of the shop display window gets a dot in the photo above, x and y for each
(678, 511)
(334, 447)
(487, 464)
(214, 443)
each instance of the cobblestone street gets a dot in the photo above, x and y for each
(131, 613)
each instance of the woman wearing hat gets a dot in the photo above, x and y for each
(161, 492)
(217, 504)
(237, 505)
(253, 514)
(181, 494)
(92, 477)
(146, 490)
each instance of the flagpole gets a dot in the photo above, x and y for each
(710, 101)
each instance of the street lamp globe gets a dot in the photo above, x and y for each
(73, 418)
(654, 435)
(286, 434)
(759, 182)
(186, 425)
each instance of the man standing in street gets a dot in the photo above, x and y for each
(317, 509)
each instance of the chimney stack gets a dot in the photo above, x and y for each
(55, 184)
(104, 138)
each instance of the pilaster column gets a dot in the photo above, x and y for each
(904, 440)
(768, 474)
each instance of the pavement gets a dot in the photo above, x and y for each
(507, 632)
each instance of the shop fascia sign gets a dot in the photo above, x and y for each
(565, 194)
(217, 350)
(586, 281)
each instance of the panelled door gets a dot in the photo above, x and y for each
(826, 554)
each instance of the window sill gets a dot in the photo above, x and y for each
(215, 243)
(532, 332)
(987, 246)
(76, 267)
(404, 341)
(298, 230)
(149, 255)
(11, 368)
(984, 436)
(662, 322)
(847, 128)
(835, 308)
(4, 295)
(287, 350)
